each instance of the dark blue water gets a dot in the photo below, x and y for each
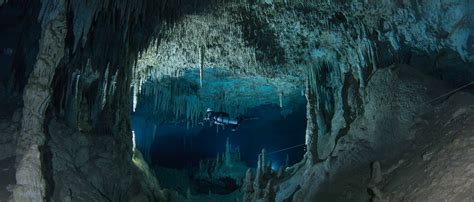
(176, 147)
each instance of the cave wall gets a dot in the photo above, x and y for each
(385, 128)
(338, 79)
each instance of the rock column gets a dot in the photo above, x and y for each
(31, 185)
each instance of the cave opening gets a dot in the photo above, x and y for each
(170, 130)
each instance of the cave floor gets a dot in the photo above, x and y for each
(178, 180)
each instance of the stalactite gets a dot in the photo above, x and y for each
(133, 141)
(201, 65)
(76, 84)
(135, 96)
(113, 85)
(280, 98)
(104, 88)
(311, 128)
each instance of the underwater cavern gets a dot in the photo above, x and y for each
(236, 100)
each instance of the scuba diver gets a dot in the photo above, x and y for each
(222, 119)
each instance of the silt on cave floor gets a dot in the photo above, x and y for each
(354, 100)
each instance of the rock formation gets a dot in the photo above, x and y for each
(30, 177)
(247, 187)
(261, 186)
(226, 165)
(378, 77)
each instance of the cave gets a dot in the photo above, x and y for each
(236, 100)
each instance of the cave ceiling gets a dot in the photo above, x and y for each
(273, 48)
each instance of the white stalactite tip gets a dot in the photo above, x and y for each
(133, 141)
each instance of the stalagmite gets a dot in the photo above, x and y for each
(281, 172)
(269, 192)
(259, 177)
(269, 167)
(248, 187)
